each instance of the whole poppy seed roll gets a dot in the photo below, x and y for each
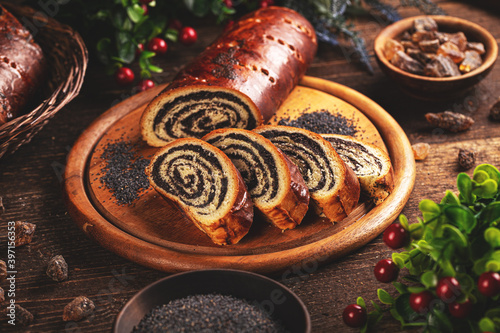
(238, 81)
(201, 180)
(22, 66)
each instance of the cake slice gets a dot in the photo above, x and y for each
(371, 165)
(273, 181)
(333, 186)
(203, 182)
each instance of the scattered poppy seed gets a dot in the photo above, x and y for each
(124, 172)
(322, 122)
(208, 313)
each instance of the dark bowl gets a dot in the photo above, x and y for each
(275, 298)
(433, 88)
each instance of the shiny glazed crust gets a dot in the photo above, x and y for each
(334, 204)
(224, 227)
(22, 66)
(260, 59)
(287, 210)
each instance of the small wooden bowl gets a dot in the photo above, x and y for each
(279, 301)
(432, 88)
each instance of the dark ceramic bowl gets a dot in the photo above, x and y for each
(432, 88)
(278, 300)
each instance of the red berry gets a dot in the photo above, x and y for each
(460, 310)
(124, 76)
(175, 24)
(489, 284)
(145, 2)
(145, 8)
(420, 302)
(395, 236)
(145, 84)
(140, 48)
(228, 3)
(188, 36)
(157, 45)
(264, 4)
(386, 271)
(448, 289)
(354, 315)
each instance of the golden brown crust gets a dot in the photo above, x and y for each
(335, 204)
(291, 209)
(22, 66)
(376, 187)
(235, 223)
(260, 59)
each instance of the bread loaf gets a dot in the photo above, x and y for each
(22, 66)
(273, 181)
(203, 182)
(333, 186)
(371, 165)
(238, 81)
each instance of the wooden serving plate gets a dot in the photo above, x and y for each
(154, 233)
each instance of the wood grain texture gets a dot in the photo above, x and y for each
(154, 233)
(31, 190)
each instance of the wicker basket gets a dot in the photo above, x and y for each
(67, 58)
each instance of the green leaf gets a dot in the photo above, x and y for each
(395, 314)
(199, 7)
(480, 266)
(492, 266)
(126, 47)
(399, 258)
(384, 296)
(172, 34)
(492, 172)
(415, 289)
(135, 13)
(487, 189)
(490, 213)
(429, 209)
(437, 319)
(147, 54)
(373, 319)
(450, 198)
(492, 236)
(155, 69)
(402, 306)
(376, 306)
(461, 217)
(416, 230)
(401, 288)
(446, 267)
(361, 302)
(486, 325)
(458, 238)
(495, 255)
(429, 279)
(464, 185)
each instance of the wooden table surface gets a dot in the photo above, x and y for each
(30, 186)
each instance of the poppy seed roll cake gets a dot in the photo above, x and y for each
(273, 181)
(371, 165)
(204, 184)
(333, 186)
(238, 81)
